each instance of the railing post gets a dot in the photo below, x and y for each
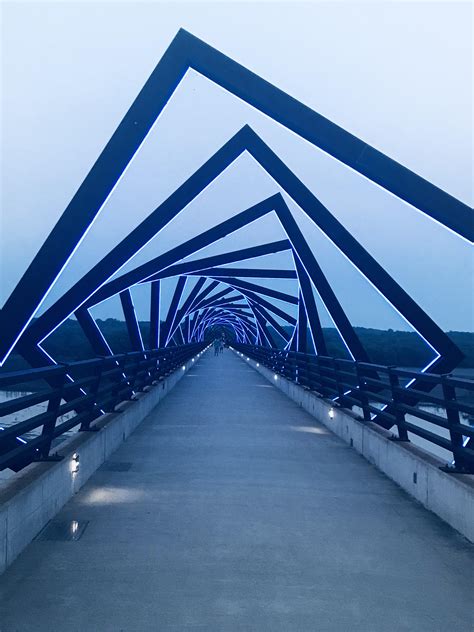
(93, 390)
(316, 370)
(312, 369)
(48, 428)
(321, 385)
(306, 381)
(364, 399)
(134, 375)
(339, 387)
(399, 415)
(122, 379)
(452, 414)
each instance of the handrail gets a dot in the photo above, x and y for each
(385, 395)
(76, 395)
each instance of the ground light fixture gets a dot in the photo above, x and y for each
(331, 413)
(74, 463)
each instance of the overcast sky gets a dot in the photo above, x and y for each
(398, 75)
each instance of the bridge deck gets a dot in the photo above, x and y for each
(238, 512)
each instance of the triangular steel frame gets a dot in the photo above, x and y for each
(188, 52)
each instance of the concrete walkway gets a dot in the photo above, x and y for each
(239, 513)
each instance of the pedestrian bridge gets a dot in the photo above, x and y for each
(232, 508)
(288, 484)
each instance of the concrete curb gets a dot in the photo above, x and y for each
(36, 494)
(449, 496)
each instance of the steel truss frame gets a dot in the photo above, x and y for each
(188, 52)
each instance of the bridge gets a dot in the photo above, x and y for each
(272, 485)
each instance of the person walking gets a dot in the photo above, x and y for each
(217, 345)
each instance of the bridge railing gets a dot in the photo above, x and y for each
(72, 396)
(437, 408)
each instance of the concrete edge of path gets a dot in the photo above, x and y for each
(37, 493)
(449, 496)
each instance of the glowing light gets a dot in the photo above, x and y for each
(275, 377)
(310, 430)
(74, 465)
(331, 413)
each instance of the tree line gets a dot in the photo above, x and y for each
(401, 348)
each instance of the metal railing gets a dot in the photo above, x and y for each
(73, 396)
(409, 400)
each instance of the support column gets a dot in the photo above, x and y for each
(131, 321)
(154, 337)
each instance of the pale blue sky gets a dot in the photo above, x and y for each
(398, 75)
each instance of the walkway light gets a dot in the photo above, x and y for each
(184, 368)
(331, 413)
(275, 377)
(257, 364)
(74, 463)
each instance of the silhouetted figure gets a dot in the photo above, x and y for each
(217, 346)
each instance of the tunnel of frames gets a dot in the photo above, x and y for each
(210, 295)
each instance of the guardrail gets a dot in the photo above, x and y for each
(386, 395)
(74, 396)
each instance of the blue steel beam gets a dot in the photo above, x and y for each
(205, 292)
(269, 318)
(187, 51)
(154, 337)
(224, 318)
(170, 317)
(316, 211)
(190, 247)
(219, 260)
(199, 304)
(302, 327)
(87, 287)
(305, 256)
(90, 328)
(131, 321)
(260, 273)
(311, 309)
(261, 322)
(212, 312)
(272, 308)
(189, 301)
(259, 289)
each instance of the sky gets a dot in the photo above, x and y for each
(396, 74)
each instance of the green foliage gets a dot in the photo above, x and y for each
(400, 348)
